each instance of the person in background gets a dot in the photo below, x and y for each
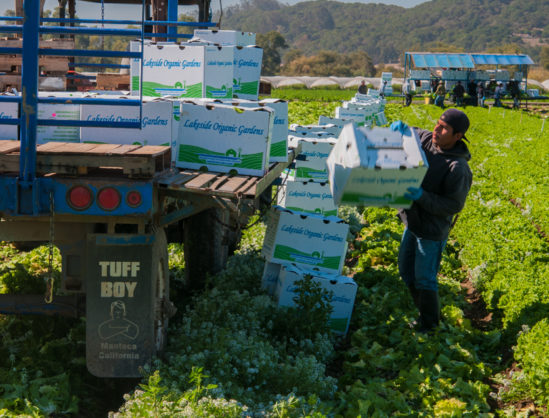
(498, 93)
(515, 93)
(481, 94)
(440, 92)
(362, 88)
(435, 205)
(406, 90)
(458, 92)
(382, 91)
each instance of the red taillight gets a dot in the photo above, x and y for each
(79, 197)
(133, 199)
(108, 198)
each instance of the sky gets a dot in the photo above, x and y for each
(87, 10)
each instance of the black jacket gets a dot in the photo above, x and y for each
(445, 188)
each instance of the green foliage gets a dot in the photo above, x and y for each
(532, 352)
(272, 43)
(328, 63)
(385, 32)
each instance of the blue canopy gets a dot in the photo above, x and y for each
(502, 59)
(461, 60)
(434, 60)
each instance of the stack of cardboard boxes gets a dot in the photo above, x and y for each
(238, 134)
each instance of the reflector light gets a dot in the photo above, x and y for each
(133, 199)
(79, 197)
(108, 198)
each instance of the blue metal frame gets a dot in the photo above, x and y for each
(27, 194)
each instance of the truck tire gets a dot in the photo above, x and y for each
(206, 245)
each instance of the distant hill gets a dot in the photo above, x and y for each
(385, 32)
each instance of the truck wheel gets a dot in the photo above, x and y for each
(163, 308)
(205, 245)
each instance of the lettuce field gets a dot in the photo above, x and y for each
(233, 353)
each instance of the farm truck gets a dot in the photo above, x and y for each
(107, 208)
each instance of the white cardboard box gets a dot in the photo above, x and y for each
(327, 120)
(312, 161)
(247, 71)
(58, 111)
(376, 177)
(226, 37)
(307, 196)
(330, 128)
(362, 117)
(224, 138)
(188, 70)
(307, 239)
(343, 290)
(156, 123)
(279, 139)
(9, 110)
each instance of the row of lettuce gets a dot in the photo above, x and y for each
(232, 352)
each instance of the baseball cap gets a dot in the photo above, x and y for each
(457, 119)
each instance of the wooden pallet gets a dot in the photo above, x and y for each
(222, 184)
(67, 158)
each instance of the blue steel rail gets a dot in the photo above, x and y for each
(28, 194)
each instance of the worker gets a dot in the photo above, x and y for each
(407, 91)
(435, 205)
(382, 92)
(498, 94)
(362, 88)
(459, 92)
(440, 92)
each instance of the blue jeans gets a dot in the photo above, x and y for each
(439, 101)
(419, 261)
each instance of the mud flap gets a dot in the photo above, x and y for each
(119, 304)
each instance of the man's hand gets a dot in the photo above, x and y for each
(414, 193)
(401, 127)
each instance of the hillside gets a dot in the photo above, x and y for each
(385, 32)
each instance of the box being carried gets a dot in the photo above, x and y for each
(363, 173)
(307, 196)
(188, 70)
(307, 239)
(343, 290)
(224, 138)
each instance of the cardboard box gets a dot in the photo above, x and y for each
(361, 117)
(380, 119)
(279, 139)
(270, 276)
(307, 196)
(325, 120)
(224, 138)
(58, 111)
(9, 110)
(306, 239)
(360, 175)
(343, 290)
(156, 123)
(226, 37)
(311, 162)
(247, 71)
(188, 70)
(328, 128)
